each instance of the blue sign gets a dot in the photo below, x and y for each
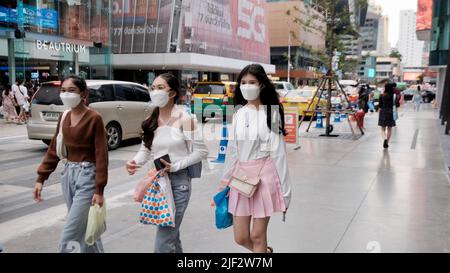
(33, 16)
(371, 73)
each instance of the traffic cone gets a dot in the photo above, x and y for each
(223, 145)
(337, 117)
(319, 121)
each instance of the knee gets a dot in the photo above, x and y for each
(258, 238)
(242, 240)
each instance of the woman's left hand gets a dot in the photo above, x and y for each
(167, 167)
(98, 199)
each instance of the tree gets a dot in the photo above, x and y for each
(330, 18)
(396, 54)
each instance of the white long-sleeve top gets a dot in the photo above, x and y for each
(184, 147)
(250, 139)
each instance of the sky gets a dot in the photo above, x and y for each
(392, 8)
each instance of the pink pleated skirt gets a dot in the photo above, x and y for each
(268, 197)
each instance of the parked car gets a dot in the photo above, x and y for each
(211, 98)
(122, 105)
(283, 88)
(408, 94)
(427, 96)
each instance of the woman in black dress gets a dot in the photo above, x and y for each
(386, 119)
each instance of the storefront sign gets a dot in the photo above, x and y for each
(60, 46)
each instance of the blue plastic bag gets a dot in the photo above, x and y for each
(371, 106)
(224, 219)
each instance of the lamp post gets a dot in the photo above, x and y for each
(289, 54)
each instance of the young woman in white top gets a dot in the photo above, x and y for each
(257, 148)
(169, 131)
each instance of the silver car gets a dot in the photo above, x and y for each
(122, 105)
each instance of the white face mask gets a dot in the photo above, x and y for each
(160, 98)
(70, 100)
(250, 91)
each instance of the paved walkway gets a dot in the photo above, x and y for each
(348, 196)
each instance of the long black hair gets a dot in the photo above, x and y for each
(389, 89)
(268, 96)
(7, 89)
(150, 125)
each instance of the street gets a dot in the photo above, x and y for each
(348, 196)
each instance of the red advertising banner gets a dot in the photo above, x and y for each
(227, 28)
(424, 15)
(290, 120)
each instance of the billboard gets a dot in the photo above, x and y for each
(227, 28)
(32, 17)
(424, 15)
(141, 26)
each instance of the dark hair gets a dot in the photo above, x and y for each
(150, 125)
(7, 89)
(19, 81)
(77, 81)
(268, 96)
(389, 89)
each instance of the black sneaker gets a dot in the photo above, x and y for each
(385, 144)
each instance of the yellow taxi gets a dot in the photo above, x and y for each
(301, 99)
(210, 99)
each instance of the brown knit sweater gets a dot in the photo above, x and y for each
(86, 142)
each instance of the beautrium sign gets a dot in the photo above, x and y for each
(51, 50)
(60, 47)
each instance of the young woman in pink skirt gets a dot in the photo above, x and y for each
(257, 149)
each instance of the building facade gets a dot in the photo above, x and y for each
(284, 32)
(46, 39)
(195, 39)
(409, 46)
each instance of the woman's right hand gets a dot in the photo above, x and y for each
(213, 204)
(37, 192)
(132, 167)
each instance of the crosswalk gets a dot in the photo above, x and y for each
(21, 216)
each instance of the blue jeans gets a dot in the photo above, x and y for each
(78, 186)
(168, 238)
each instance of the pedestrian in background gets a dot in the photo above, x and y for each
(85, 173)
(21, 95)
(386, 118)
(170, 131)
(417, 99)
(258, 151)
(9, 110)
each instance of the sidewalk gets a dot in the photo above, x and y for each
(348, 196)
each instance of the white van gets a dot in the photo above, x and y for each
(122, 105)
(283, 88)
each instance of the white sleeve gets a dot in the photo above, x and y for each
(143, 156)
(279, 156)
(231, 154)
(199, 150)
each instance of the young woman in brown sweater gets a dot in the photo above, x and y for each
(86, 171)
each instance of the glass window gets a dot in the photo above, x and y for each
(125, 93)
(101, 93)
(217, 89)
(48, 94)
(142, 94)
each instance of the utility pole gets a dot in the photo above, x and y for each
(289, 54)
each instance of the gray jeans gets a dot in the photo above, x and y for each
(78, 187)
(168, 238)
